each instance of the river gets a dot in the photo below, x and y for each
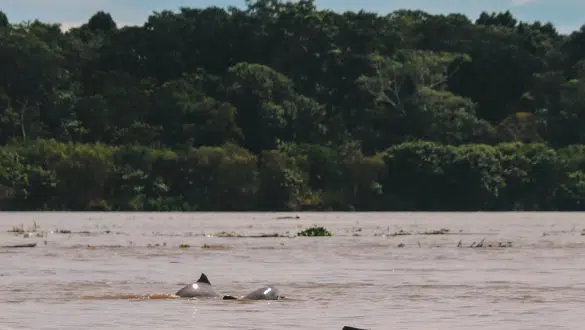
(117, 270)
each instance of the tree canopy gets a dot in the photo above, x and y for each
(283, 106)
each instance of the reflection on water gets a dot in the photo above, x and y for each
(378, 271)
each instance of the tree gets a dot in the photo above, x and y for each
(101, 22)
(282, 105)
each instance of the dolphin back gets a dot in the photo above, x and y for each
(185, 291)
(264, 293)
(197, 290)
(201, 288)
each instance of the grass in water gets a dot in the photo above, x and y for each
(315, 231)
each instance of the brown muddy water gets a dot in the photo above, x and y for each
(117, 271)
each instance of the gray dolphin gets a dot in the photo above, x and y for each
(200, 289)
(264, 293)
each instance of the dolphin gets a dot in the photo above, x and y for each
(200, 289)
(264, 293)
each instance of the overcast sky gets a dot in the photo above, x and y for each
(566, 15)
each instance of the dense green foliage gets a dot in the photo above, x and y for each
(280, 106)
(315, 231)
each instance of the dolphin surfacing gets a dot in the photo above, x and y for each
(264, 293)
(200, 289)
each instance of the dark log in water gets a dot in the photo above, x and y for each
(30, 245)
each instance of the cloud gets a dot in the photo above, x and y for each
(567, 29)
(66, 26)
(62, 7)
(518, 3)
(70, 13)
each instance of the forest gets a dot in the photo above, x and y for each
(284, 106)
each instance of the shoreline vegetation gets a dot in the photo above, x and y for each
(280, 106)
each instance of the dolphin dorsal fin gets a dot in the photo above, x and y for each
(203, 279)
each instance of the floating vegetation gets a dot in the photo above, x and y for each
(83, 232)
(442, 231)
(483, 244)
(215, 247)
(571, 231)
(288, 217)
(156, 245)
(93, 247)
(20, 229)
(17, 229)
(184, 246)
(29, 232)
(264, 235)
(225, 234)
(236, 235)
(315, 231)
(35, 231)
(401, 232)
(356, 231)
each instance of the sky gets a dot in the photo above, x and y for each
(566, 15)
